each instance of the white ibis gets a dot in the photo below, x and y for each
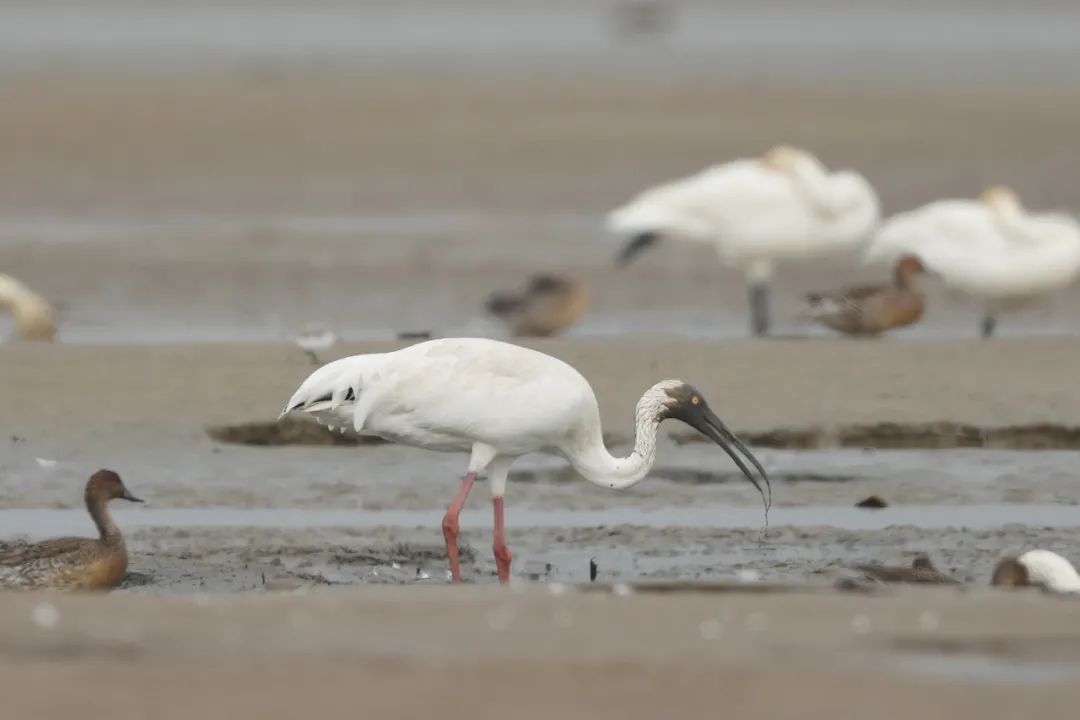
(1038, 568)
(499, 401)
(757, 212)
(31, 312)
(990, 249)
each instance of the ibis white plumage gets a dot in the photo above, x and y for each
(991, 249)
(498, 401)
(756, 212)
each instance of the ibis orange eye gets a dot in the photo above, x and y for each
(695, 400)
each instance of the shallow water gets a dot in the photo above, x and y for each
(43, 523)
(978, 668)
(808, 42)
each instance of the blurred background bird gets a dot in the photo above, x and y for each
(872, 309)
(32, 314)
(546, 306)
(783, 207)
(991, 249)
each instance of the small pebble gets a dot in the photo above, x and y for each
(501, 618)
(556, 588)
(756, 622)
(45, 615)
(748, 576)
(710, 629)
(860, 624)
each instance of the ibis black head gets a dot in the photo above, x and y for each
(688, 405)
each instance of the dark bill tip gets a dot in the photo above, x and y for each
(714, 428)
(131, 498)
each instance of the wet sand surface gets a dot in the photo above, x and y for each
(937, 654)
(230, 517)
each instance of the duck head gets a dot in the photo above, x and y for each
(105, 485)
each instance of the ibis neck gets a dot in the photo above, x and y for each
(600, 467)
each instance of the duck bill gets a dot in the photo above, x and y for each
(713, 428)
(633, 247)
(131, 498)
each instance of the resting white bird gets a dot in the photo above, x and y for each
(32, 314)
(498, 401)
(784, 206)
(990, 249)
(1038, 568)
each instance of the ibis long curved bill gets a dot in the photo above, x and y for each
(714, 428)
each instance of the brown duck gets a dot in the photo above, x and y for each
(547, 306)
(921, 572)
(74, 563)
(872, 309)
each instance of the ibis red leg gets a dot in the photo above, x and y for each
(450, 525)
(502, 553)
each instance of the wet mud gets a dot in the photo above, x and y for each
(910, 436)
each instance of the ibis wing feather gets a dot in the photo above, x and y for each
(454, 391)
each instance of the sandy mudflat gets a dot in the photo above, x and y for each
(404, 653)
(172, 392)
(370, 515)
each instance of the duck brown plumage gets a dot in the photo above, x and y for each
(873, 309)
(74, 563)
(547, 306)
(922, 571)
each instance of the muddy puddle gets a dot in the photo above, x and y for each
(233, 518)
(918, 436)
(984, 669)
(293, 430)
(989, 660)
